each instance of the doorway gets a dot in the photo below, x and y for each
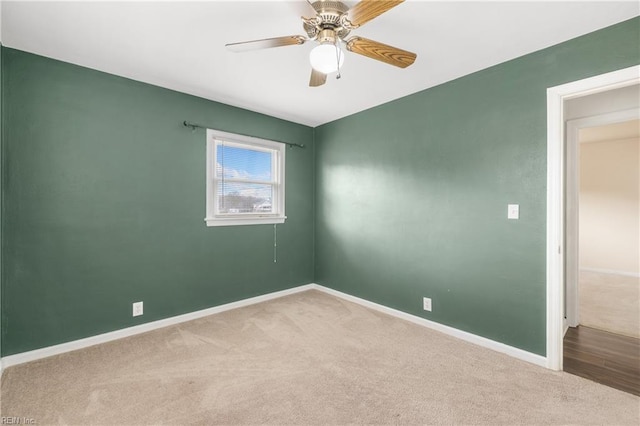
(602, 221)
(557, 160)
(602, 242)
(589, 111)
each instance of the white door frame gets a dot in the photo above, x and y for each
(573, 201)
(556, 192)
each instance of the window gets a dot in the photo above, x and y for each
(245, 180)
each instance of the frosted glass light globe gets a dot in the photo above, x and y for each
(324, 58)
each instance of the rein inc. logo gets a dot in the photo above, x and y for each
(7, 420)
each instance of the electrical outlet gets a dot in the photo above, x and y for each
(137, 309)
(426, 304)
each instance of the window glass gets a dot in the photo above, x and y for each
(245, 180)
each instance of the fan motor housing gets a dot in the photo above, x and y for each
(330, 15)
(330, 11)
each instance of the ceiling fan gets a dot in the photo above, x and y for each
(329, 28)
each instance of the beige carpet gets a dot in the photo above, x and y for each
(309, 358)
(610, 302)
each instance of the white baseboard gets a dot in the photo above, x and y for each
(612, 272)
(463, 335)
(36, 354)
(23, 357)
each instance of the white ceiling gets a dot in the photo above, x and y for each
(180, 46)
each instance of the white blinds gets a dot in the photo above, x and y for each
(244, 178)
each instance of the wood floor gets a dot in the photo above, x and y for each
(603, 357)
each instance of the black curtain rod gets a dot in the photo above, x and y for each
(200, 126)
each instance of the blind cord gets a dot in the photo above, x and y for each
(221, 171)
(275, 243)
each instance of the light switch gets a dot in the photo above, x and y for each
(513, 211)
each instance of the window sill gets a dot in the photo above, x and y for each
(234, 221)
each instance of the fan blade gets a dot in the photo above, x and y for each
(317, 78)
(366, 10)
(266, 43)
(381, 52)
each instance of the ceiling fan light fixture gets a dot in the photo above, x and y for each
(326, 58)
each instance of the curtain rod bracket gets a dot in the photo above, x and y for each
(186, 124)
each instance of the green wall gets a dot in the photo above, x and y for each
(412, 195)
(105, 200)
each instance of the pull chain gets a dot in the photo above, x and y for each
(275, 243)
(337, 59)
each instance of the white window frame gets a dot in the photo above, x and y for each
(213, 216)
